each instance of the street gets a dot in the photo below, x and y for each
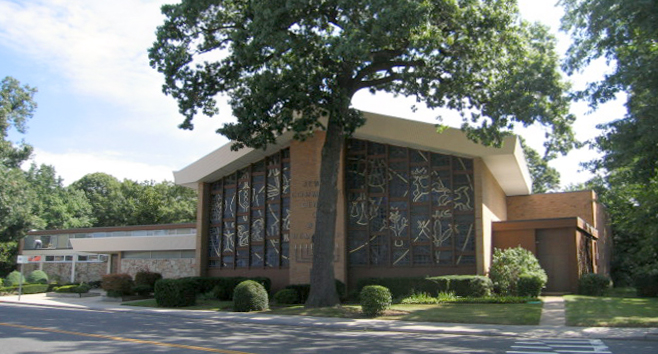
(32, 329)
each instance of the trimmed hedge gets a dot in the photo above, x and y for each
(304, 289)
(530, 285)
(509, 264)
(27, 288)
(374, 299)
(286, 296)
(175, 292)
(74, 289)
(461, 285)
(222, 287)
(250, 295)
(593, 284)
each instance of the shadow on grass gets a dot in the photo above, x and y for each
(611, 311)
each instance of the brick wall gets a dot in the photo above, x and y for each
(552, 205)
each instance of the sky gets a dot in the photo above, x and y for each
(101, 107)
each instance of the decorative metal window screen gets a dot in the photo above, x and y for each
(250, 216)
(408, 207)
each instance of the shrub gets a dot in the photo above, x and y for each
(38, 277)
(302, 291)
(143, 289)
(14, 278)
(646, 283)
(28, 288)
(593, 284)
(117, 285)
(74, 289)
(175, 292)
(509, 264)
(286, 296)
(145, 278)
(530, 285)
(375, 299)
(480, 286)
(250, 295)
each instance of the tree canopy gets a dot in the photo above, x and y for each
(293, 65)
(625, 34)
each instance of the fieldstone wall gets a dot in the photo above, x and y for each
(169, 268)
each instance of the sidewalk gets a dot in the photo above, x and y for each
(551, 324)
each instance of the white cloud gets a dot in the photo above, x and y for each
(74, 165)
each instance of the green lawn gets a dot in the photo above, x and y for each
(515, 314)
(611, 311)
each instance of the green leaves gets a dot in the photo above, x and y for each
(281, 57)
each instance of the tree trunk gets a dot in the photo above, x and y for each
(323, 286)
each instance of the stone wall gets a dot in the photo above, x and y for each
(169, 268)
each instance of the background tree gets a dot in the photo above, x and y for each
(115, 203)
(544, 177)
(105, 196)
(16, 107)
(159, 203)
(57, 207)
(295, 66)
(625, 34)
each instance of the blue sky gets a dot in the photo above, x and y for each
(100, 104)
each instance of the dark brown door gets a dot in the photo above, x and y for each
(114, 266)
(554, 252)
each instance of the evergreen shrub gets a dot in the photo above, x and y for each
(593, 284)
(73, 289)
(38, 277)
(375, 299)
(530, 285)
(286, 296)
(117, 285)
(175, 292)
(509, 265)
(250, 295)
(14, 278)
(144, 279)
(304, 289)
(646, 283)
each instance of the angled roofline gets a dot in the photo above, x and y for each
(507, 163)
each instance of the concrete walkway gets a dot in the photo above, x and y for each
(553, 313)
(551, 326)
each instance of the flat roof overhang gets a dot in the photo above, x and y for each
(507, 163)
(134, 243)
(554, 223)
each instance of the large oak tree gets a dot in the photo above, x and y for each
(294, 65)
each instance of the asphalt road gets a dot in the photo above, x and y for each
(30, 329)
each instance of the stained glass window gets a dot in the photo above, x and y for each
(249, 215)
(408, 207)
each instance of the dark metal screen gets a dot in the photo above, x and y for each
(250, 216)
(408, 207)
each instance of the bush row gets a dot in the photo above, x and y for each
(27, 288)
(461, 285)
(182, 292)
(302, 291)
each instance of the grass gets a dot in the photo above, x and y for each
(619, 309)
(512, 314)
